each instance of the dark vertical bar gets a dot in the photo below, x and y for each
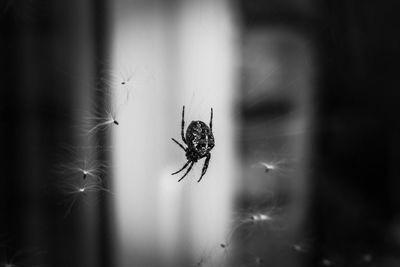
(10, 115)
(41, 44)
(101, 17)
(266, 108)
(356, 205)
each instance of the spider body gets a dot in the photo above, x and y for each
(199, 140)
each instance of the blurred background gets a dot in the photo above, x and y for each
(304, 96)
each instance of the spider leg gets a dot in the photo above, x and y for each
(184, 166)
(179, 144)
(211, 119)
(188, 170)
(204, 170)
(183, 125)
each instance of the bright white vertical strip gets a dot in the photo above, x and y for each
(183, 60)
(138, 142)
(207, 68)
(170, 230)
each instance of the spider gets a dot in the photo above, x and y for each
(199, 140)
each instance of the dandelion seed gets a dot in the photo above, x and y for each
(277, 167)
(268, 167)
(260, 217)
(124, 79)
(80, 165)
(102, 122)
(80, 177)
(257, 219)
(93, 172)
(303, 246)
(75, 193)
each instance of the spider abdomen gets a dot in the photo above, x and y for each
(199, 138)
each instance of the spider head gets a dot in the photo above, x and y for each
(192, 155)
